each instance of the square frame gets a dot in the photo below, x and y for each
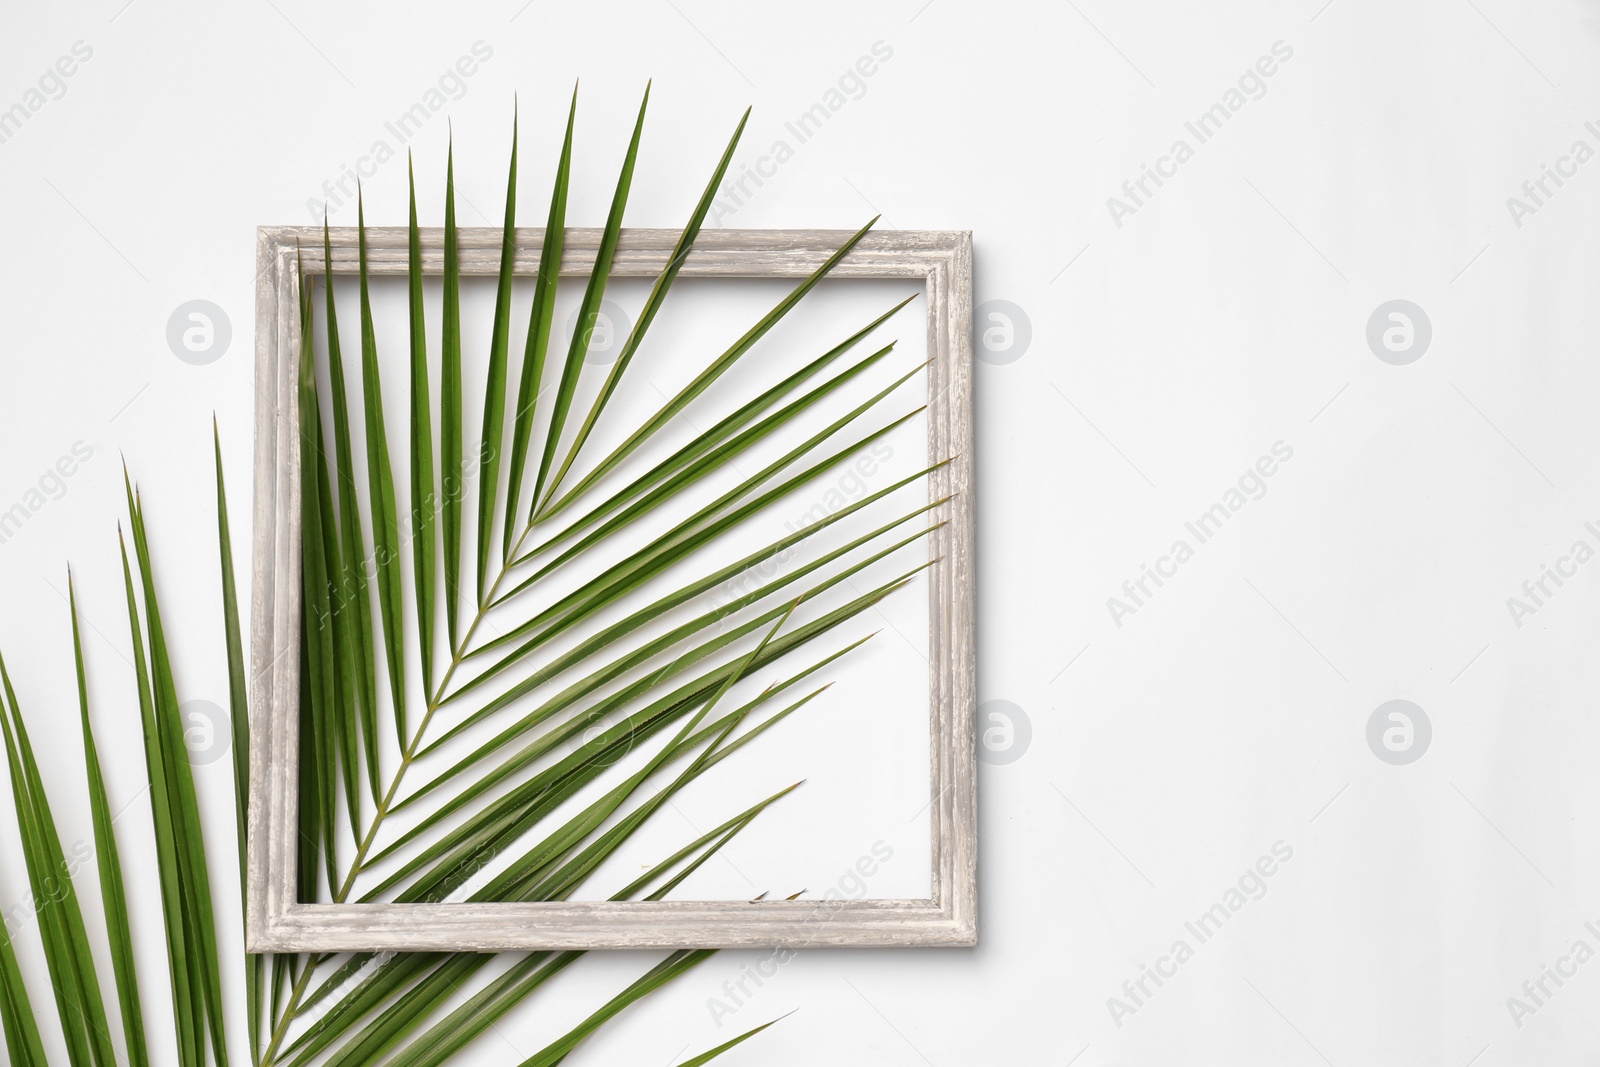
(276, 921)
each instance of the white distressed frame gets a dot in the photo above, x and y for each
(277, 922)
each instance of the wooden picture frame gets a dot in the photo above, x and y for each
(277, 922)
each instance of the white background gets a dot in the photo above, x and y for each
(1227, 313)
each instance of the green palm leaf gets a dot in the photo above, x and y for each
(113, 895)
(55, 901)
(23, 1040)
(594, 292)
(669, 681)
(385, 525)
(188, 841)
(705, 378)
(548, 704)
(351, 685)
(424, 500)
(539, 321)
(450, 432)
(653, 303)
(187, 1006)
(674, 966)
(494, 401)
(711, 1054)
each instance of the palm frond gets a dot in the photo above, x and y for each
(239, 722)
(494, 401)
(185, 839)
(24, 1043)
(55, 901)
(351, 668)
(621, 691)
(424, 499)
(187, 1004)
(604, 687)
(652, 304)
(385, 528)
(711, 1054)
(540, 317)
(113, 894)
(589, 310)
(450, 405)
